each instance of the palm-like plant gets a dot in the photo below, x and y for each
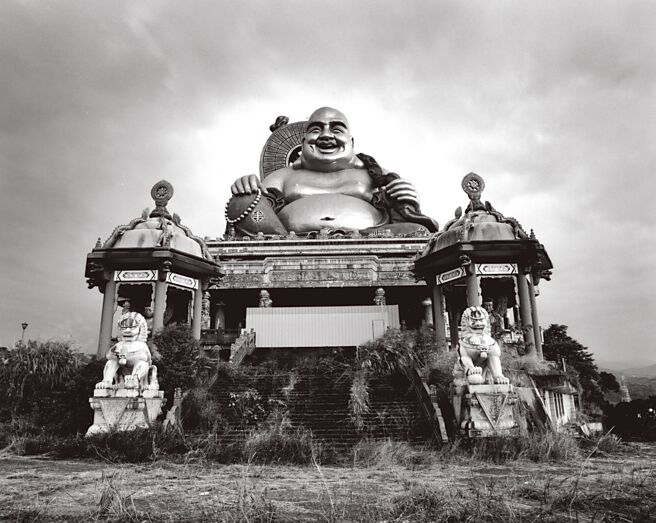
(37, 368)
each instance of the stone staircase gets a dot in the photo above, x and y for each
(321, 405)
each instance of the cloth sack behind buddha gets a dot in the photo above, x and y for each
(251, 214)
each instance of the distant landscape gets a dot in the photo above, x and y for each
(640, 380)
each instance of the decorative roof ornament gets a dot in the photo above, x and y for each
(473, 185)
(165, 229)
(281, 121)
(161, 192)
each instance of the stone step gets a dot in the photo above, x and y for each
(320, 403)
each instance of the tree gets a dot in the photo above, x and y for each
(558, 346)
(180, 355)
(40, 388)
(635, 420)
(609, 382)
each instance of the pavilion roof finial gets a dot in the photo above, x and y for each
(161, 192)
(473, 185)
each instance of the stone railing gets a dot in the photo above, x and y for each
(427, 398)
(218, 336)
(243, 346)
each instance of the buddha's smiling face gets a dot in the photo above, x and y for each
(327, 144)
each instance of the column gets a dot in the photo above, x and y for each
(534, 318)
(427, 304)
(160, 305)
(473, 288)
(205, 319)
(196, 313)
(438, 319)
(219, 316)
(525, 314)
(453, 322)
(109, 298)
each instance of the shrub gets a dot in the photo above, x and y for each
(549, 446)
(359, 398)
(44, 387)
(277, 442)
(539, 446)
(246, 406)
(420, 504)
(180, 359)
(602, 444)
(387, 453)
(223, 448)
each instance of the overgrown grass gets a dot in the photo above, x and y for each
(277, 442)
(567, 493)
(539, 447)
(359, 398)
(389, 453)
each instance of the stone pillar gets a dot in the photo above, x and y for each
(438, 319)
(160, 305)
(525, 314)
(219, 316)
(473, 287)
(427, 304)
(534, 318)
(196, 313)
(109, 298)
(205, 320)
(454, 333)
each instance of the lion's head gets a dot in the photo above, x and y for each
(130, 324)
(475, 321)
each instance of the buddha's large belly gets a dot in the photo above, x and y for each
(334, 211)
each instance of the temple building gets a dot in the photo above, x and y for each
(301, 256)
(326, 249)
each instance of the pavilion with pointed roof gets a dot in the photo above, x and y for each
(156, 263)
(482, 256)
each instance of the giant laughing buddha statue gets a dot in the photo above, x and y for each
(328, 188)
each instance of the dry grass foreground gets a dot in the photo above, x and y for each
(617, 487)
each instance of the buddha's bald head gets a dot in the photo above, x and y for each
(327, 143)
(327, 113)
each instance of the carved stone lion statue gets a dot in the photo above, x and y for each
(479, 353)
(129, 362)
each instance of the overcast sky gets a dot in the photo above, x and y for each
(553, 103)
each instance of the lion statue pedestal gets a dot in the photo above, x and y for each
(128, 397)
(121, 414)
(485, 410)
(482, 396)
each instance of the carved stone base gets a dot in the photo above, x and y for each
(485, 410)
(125, 413)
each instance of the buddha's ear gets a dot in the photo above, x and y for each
(298, 163)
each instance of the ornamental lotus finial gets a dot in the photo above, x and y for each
(161, 192)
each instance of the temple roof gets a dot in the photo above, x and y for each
(157, 229)
(484, 234)
(480, 221)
